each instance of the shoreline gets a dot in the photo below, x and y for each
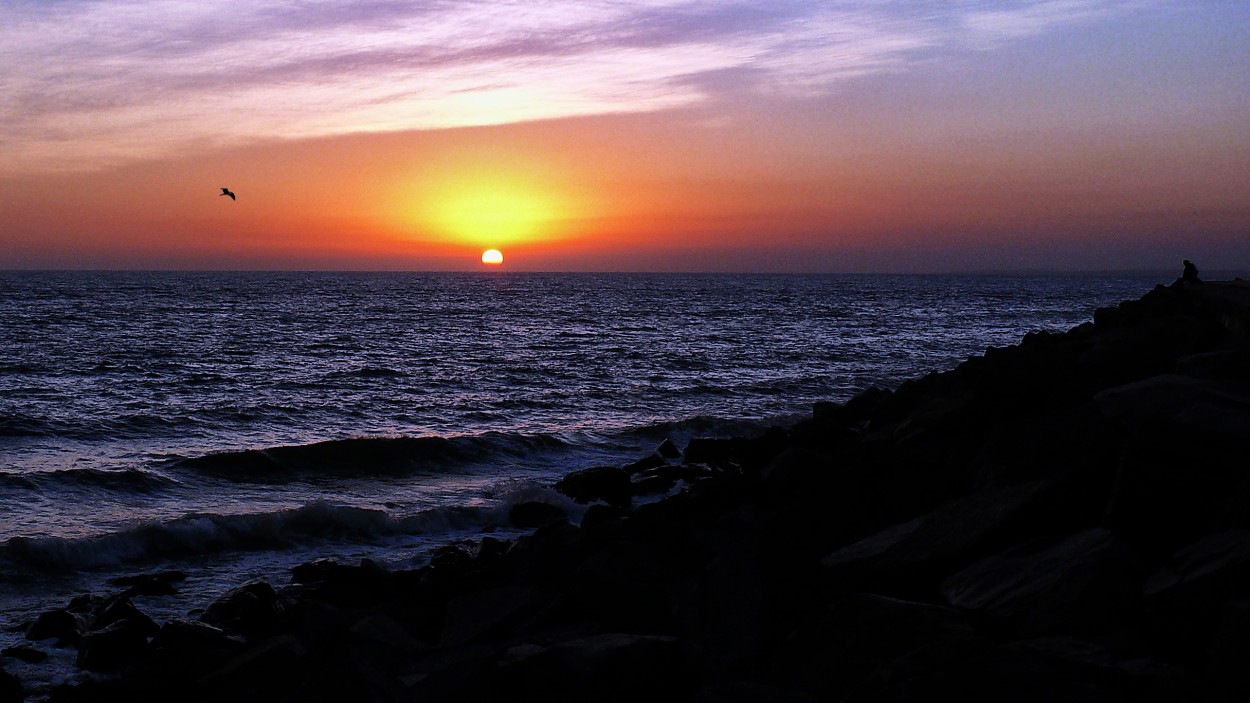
(1064, 517)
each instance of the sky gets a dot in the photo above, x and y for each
(656, 135)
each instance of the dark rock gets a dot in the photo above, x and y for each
(668, 450)
(120, 644)
(269, 665)
(911, 557)
(85, 604)
(650, 461)
(841, 646)
(1199, 411)
(30, 655)
(11, 690)
(749, 453)
(748, 692)
(184, 651)
(251, 609)
(475, 614)
(1226, 364)
(65, 626)
(620, 586)
(535, 514)
(653, 485)
(1040, 671)
(1081, 581)
(1213, 568)
(118, 609)
(602, 523)
(867, 404)
(189, 634)
(342, 583)
(491, 547)
(608, 667)
(606, 483)
(1230, 649)
(160, 584)
(385, 630)
(661, 479)
(92, 691)
(1187, 595)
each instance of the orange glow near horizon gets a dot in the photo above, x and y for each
(477, 203)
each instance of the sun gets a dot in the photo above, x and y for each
(492, 257)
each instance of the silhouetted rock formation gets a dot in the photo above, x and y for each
(1066, 519)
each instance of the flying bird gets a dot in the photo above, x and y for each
(226, 191)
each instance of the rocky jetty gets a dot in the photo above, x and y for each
(1066, 519)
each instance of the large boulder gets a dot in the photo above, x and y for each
(1039, 671)
(63, 625)
(606, 483)
(840, 647)
(252, 609)
(1047, 586)
(909, 558)
(119, 645)
(609, 667)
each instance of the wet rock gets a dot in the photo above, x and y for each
(535, 514)
(608, 484)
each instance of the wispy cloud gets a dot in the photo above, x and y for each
(87, 83)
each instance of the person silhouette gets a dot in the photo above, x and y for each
(1190, 275)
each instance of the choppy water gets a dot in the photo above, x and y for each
(228, 424)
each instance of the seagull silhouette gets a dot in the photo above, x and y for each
(226, 191)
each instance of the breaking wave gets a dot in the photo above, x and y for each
(370, 456)
(206, 534)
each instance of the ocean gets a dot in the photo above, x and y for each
(231, 425)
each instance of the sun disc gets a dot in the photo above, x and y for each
(492, 256)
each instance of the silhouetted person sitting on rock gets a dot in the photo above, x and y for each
(1190, 274)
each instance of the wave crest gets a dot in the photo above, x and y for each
(368, 456)
(205, 533)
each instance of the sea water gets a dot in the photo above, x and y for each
(230, 425)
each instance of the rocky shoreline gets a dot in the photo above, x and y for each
(1065, 519)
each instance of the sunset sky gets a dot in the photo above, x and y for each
(659, 135)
